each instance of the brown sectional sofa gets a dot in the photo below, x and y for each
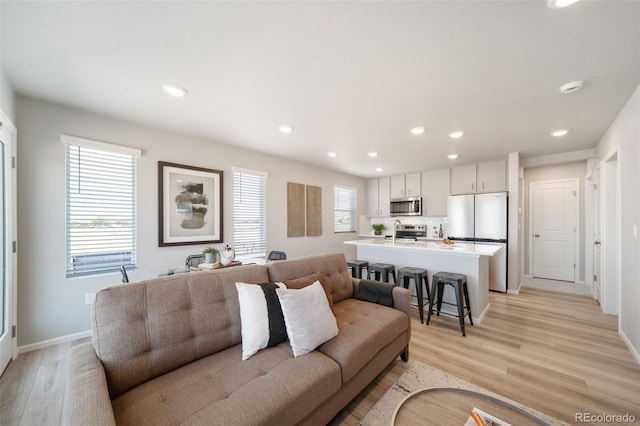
(168, 351)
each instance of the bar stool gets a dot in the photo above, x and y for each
(419, 276)
(357, 266)
(459, 284)
(382, 269)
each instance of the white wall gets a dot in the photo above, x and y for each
(577, 170)
(623, 137)
(49, 305)
(7, 97)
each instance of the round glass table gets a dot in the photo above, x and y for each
(451, 406)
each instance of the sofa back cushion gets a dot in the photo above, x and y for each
(146, 329)
(334, 265)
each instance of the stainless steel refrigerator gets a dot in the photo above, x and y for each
(482, 219)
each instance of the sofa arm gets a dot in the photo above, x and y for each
(401, 296)
(87, 395)
(402, 299)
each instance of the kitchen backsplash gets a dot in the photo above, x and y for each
(364, 224)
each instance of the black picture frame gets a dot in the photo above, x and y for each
(189, 205)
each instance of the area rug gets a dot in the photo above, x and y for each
(420, 376)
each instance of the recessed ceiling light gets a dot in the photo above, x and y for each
(417, 130)
(457, 134)
(559, 133)
(285, 128)
(379, 169)
(332, 154)
(571, 87)
(559, 4)
(372, 154)
(452, 156)
(174, 90)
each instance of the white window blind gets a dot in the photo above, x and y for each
(249, 212)
(345, 209)
(100, 207)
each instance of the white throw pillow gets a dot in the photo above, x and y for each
(308, 317)
(257, 327)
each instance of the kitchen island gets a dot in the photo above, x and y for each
(471, 260)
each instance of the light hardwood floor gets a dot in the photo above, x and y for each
(551, 351)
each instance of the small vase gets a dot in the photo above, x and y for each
(377, 232)
(208, 257)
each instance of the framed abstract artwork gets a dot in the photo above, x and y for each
(189, 205)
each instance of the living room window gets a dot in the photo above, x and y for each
(345, 209)
(100, 207)
(249, 212)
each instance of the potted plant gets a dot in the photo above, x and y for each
(377, 228)
(209, 254)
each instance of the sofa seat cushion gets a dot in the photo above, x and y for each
(365, 329)
(272, 387)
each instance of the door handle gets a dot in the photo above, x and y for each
(597, 243)
(537, 235)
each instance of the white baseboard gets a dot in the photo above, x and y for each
(632, 348)
(515, 290)
(483, 314)
(51, 342)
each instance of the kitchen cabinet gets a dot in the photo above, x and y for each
(397, 186)
(372, 197)
(378, 197)
(435, 191)
(384, 196)
(490, 176)
(412, 185)
(403, 186)
(463, 179)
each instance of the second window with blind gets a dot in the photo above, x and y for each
(345, 209)
(249, 212)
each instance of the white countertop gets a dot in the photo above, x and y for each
(389, 236)
(430, 246)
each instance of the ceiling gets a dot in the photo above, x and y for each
(349, 77)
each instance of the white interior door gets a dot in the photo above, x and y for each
(554, 229)
(7, 260)
(597, 238)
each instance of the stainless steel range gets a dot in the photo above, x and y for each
(410, 232)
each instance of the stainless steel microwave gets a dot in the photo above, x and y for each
(411, 206)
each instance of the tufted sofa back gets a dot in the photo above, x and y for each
(334, 265)
(146, 329)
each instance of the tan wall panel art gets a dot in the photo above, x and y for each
(314, 211)
(295, 210)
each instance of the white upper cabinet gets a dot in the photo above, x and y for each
(378, 197)
(435, 191)
(492, 176)
(372, 197)
(412, 185)
(397, 186)
(384, 196)
(463, 179)
(403, 186)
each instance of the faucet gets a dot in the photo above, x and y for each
(395, 224)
